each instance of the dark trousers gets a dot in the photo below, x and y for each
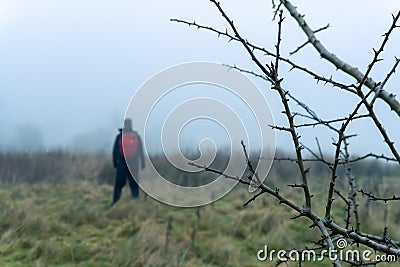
(123, 174)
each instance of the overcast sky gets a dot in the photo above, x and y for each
(68, 69)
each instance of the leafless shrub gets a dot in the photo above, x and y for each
(368, 92)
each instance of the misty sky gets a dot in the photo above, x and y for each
(68, 69)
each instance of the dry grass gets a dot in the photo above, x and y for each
(67, 223)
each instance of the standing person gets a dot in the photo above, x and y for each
(127, 148)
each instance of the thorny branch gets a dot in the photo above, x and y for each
(386, 96)
(352, 185)
(377, 88)
(272, 76)
(336, 160)
(348, 208)
(391, 72)
(372, 155)
(308, 41)
(376, 198)
(276, 85)
(318, 78)
(265, 69)
(341, 157)
(371, 241)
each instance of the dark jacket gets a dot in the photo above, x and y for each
(118, 156)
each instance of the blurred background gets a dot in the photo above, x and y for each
(68, 69)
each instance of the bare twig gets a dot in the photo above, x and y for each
(208, 169)
(348, 208)
(254, 178)
(278, 42)
(391, 72)
(378, 90)
(376, 198)
(321, 155)
(254, 47)
(328, 240)
(386, 96)
(319, 158)
(337, 154)
(296, 142)
(352, 184)
(325, 122)
(372, 155)
(266, 70)
(308, 41)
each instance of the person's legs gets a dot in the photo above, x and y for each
(120, 181)
(133, 184)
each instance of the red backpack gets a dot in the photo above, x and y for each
(128, 144)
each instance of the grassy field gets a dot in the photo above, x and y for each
(68, 223)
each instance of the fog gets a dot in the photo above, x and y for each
(68, 69)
